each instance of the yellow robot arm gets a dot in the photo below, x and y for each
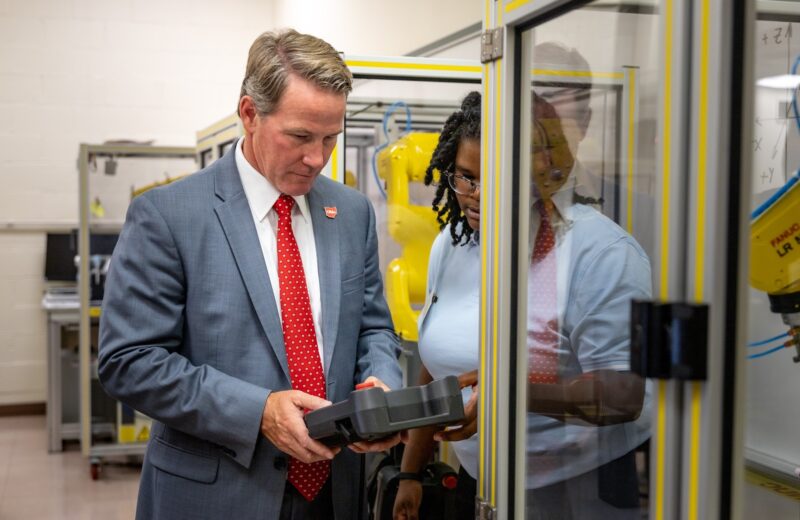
(412, 226)
(775, 254)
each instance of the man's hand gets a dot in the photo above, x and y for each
(408, 500)
(282, 423)
(466, 427)
(381, 444)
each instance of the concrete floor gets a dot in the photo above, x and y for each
(37, 485)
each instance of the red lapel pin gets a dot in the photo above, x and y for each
(330, 212)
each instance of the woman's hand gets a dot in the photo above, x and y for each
(468, 379)
(468, 426)
(409, 498)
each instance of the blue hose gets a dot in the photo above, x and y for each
(386, 116)
(394, 106)
(766, 352)
(765, 341)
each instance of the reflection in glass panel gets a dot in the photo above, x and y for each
(773, 421)
(588, 148)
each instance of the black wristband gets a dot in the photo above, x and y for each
(406, 475)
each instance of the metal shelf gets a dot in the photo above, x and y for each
(88, 367)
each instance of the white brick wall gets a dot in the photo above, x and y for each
(75, 71)
(379, 28)
(23, 327)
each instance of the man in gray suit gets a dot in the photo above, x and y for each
(243, 296)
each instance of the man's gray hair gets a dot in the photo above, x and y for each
(571, 100)
(275, 55)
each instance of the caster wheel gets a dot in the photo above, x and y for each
(94, 470)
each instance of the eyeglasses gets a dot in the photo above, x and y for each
(462, 185)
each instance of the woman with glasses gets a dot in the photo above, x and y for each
(448, 325)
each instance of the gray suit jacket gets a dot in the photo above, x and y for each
(190, 335)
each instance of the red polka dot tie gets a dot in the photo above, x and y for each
(543, 337)
(299, 335)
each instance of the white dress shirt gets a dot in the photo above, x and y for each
(261, 196)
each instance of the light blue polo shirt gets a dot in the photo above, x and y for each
(449, 325)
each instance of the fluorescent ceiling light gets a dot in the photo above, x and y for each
(784, 81)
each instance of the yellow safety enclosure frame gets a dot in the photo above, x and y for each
(702, 139)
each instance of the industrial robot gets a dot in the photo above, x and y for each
(412, 226)
(775, 256)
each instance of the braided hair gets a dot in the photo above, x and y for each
(464, 123)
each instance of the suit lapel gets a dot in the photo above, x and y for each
(237, 223)
(326, 239)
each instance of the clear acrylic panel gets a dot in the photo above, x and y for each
(773, 414)
(588, 155)
(391, 130)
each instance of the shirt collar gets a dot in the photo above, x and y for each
(562, 199)
(260, 193)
